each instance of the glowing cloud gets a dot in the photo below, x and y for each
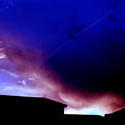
(29, 76)
(86, 111)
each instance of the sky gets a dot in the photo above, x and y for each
(75, 47)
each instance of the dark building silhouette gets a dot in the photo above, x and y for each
(30, 109)
(119, 115)
(36, 110)
(83, 118)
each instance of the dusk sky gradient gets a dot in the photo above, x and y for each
(77, 45)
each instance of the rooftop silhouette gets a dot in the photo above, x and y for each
(39, 109)
(31, 108)
(118, 115)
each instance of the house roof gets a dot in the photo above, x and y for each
(29, 100)
(122, 111)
